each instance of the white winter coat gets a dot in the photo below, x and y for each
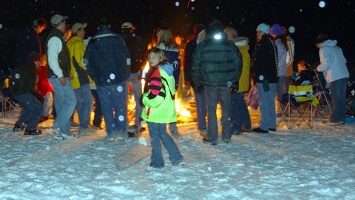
(332, 61)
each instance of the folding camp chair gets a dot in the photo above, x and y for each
(300, 102)
(350, 97)
(9, 103)
(323, 96)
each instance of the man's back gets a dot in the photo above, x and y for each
(136, 48)
(106, 58)
(216, 62)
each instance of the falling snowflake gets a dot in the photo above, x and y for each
(322, 4)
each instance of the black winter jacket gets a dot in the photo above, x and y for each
(106, 58)
(137, 49)
(265, 60)
(24, 79)
(216, 62)
(189, 49)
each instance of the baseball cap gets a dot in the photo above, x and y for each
(57, 18)
(78, 26)
(126, 25)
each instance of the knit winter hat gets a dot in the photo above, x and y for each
(276, 29)
(264, 28)
(215, 26)
(198, 29)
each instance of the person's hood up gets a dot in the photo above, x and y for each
(242, 41)
(330, 43)
(198, 29)
(168, 68)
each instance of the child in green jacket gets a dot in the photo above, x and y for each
(159, 107)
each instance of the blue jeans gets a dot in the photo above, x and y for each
(137, 92)
(157, 132)
(31, 110)
(338, 90)
(267, 106)
(221, 93)
(280, 90)
(201, 109)
(47, 104)
(64, 103)
(113, 100)
(97, 111)
(84, 104)
(239, 113)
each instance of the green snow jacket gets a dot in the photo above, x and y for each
(158, 98)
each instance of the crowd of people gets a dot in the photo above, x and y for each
(216, 66)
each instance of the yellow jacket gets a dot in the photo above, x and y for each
(244, 80)
(76, 49)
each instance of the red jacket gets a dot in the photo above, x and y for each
(43, 85)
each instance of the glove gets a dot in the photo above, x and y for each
(199, 89)
(234, 88)
(266, 85)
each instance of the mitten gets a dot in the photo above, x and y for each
(235, 87)
(266, 85)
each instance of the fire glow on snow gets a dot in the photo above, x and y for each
(301, 163)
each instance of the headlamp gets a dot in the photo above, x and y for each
(217, 36)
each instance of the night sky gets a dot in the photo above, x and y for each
(306, 16)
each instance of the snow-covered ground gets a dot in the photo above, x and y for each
(301, 163)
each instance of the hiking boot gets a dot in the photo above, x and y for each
(259, 130)
(225, 141)
(68, 136)
(55, 133)
(334, 123)
(203, 133)
(84, 131)
(33, 132)
(246, 130)
(18, 128)
(206, 140)
(237, 132)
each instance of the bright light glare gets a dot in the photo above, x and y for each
(217, 36)
(321, 4)
(291, 29)
(177, 3)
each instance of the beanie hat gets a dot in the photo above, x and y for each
(320, 37)
(264, 28)
(215, 26)
(198, 29)
(276, 29)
